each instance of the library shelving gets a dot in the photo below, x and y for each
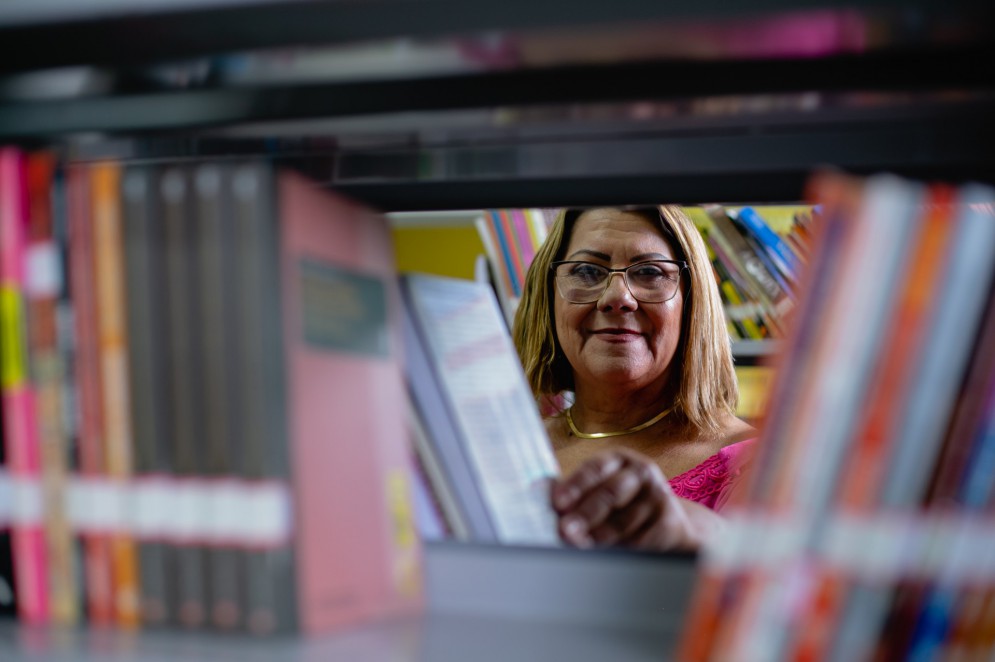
(412, 105)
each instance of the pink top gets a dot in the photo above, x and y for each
(711, 482)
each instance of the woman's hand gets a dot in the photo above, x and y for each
(620, 497)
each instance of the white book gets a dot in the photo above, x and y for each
(497, 422)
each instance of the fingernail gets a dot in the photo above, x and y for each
(575, 528)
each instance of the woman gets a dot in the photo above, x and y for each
(620, 307)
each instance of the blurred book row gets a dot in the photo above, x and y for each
(867, 522)
(203, 399)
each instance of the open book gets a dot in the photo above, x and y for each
(486, 445)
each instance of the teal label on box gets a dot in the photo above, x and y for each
(343, 310)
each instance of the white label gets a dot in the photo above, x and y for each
(107, 503)
(152, 507)
(27, 501)
(43, 270)
(185, 518)
(228, 504)
(268, 514)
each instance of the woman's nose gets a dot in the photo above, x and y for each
(617, 294)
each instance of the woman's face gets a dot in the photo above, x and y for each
(618, 340)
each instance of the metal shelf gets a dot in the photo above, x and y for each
(51, 33)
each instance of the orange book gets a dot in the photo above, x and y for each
(112, 327)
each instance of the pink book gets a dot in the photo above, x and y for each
(334, 403)
(21, 438)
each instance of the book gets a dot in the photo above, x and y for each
(108, 255)
(221, 424)
(777, 248)
(22, 447)
(187, 601)
(322, 397)
(148, 382)
(443, 455)
(45, 289)
(498, 433)
(98, 590)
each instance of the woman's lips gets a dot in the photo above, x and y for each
(617, 335)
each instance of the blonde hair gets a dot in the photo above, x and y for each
(707, 391)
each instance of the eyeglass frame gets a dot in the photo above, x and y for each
(683, 264)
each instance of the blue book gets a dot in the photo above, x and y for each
(778, 250)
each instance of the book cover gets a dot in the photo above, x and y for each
(319, 327)
(497, 421)
(455, 480)
(22, 446)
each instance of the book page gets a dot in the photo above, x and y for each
(500, 424)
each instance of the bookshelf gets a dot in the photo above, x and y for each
(512, 135)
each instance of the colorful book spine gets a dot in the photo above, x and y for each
(46, 285)
(21, 442)
(782, 254)
(96, 541)
(109, 271)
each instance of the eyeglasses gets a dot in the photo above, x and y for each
(654, 281)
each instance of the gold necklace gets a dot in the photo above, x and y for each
(601, 435)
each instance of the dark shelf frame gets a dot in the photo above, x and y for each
(104, 35)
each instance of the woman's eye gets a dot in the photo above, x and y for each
(586, 272)
(649, 272)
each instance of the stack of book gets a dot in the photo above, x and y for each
(757, 267)
(866, 528)
(203, 400)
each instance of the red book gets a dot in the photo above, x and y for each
(96, 543)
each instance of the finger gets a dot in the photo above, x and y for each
(615, 491)
(669, 529)
(588, 475)
(627, 521)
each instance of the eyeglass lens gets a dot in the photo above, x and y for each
(650, 282)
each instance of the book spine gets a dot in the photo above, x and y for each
(96, 543)
(46, 285)
(22, 447)
(526, 245)
(212, 187)
(270, 584)
(113, 339)
(187, 601)
(506, 245)
(782, 255)
(147, 354)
